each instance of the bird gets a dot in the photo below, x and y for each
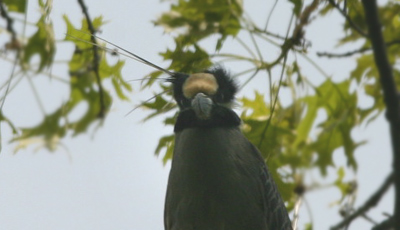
(218, 178)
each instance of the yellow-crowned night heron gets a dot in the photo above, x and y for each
(218, 179)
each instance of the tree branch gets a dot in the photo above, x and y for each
(9, 20)
(351, 23)
(299, 201)
(347, 54)
(350, 53)
(390, 93)
(96, 58)
(371, 202)
(385, 225)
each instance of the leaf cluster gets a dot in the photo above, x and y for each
(304, 135)
(81, 80)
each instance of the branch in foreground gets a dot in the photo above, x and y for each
(371, 202)
(390, 93)
(350, 53)
(296, 216)
(96, 57)
(347, 54)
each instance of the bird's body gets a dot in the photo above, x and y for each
(210, 183)
(218, 179)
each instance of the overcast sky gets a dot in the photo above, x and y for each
(110, 179)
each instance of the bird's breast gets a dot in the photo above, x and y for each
(213, 181)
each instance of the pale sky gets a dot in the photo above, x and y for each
(110, 179)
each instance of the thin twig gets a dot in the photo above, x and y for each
(36, 94)
(351, 23)
(261, 33)
(347, 54)
(371, 202)
(358, 51)
(127, 53)
(298, 31)
(309, 211)
(270, 15)
(249, 79)
(9, 20)
(285, 50)
(96, 58)
(369, 219)
(236, 57)
(296, 212)
(144, 102)
(246, 47)
(7, 91)
(274, 103)
(256, 47)
(316, 66)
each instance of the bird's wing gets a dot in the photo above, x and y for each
(275, 210)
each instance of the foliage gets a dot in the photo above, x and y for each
(290, 137)
(82, 80)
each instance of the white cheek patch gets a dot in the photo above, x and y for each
(200, 83)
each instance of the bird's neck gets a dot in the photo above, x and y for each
(220, 117)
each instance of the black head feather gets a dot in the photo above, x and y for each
(177, 80)
(227, 87)
(221, 115)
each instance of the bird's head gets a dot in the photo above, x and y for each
(205, 99)
(202, 92)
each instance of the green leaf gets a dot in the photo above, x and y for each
(308, 226)
(114, 72)
(304, 127)
(187, 61)
(16, 5)
(200, 19)
(325, 145)
(365, 68)
(49, 131)
(8, 121)
(257, 106)
(298, 5)
(83, 85)
(270, 136)
(91, 115)
(159, 106)
(167, 143)
(341, 108)
(151, 78)
(42, 43)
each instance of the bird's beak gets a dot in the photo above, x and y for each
(202, 105)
